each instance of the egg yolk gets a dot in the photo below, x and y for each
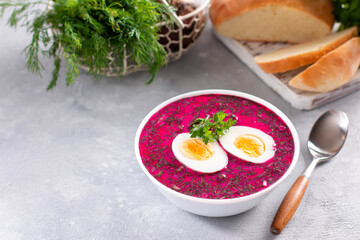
(196, 149)
(251, 145)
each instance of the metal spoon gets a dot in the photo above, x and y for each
(325, 140)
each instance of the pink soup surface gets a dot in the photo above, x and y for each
(239, 178)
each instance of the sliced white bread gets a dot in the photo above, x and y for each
(332, 70)
(303, 54)
(272, 20)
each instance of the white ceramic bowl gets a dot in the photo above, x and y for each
(217, 207)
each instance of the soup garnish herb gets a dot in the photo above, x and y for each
(210, 129)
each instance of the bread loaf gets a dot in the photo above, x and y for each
(272, 20)
(332, 70)
(304, 53)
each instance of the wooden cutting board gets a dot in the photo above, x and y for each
(246, 51)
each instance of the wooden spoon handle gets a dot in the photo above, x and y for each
(289, 205)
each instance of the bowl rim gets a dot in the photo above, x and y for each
(222, 92)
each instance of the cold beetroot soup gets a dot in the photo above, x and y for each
(240, 178)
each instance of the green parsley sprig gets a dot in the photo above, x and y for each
(210, 129)
(347, 12)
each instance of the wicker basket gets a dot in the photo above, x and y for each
(176, 41)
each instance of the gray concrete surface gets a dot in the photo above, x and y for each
(68, 169)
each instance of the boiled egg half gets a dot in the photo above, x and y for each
(249, 144)
(200, 157)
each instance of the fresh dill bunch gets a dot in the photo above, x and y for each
(88, 32)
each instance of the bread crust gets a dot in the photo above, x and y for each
(222, 10)
(332, 70)
(306, 58)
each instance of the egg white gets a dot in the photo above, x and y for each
(227, 142)
(215, 163)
